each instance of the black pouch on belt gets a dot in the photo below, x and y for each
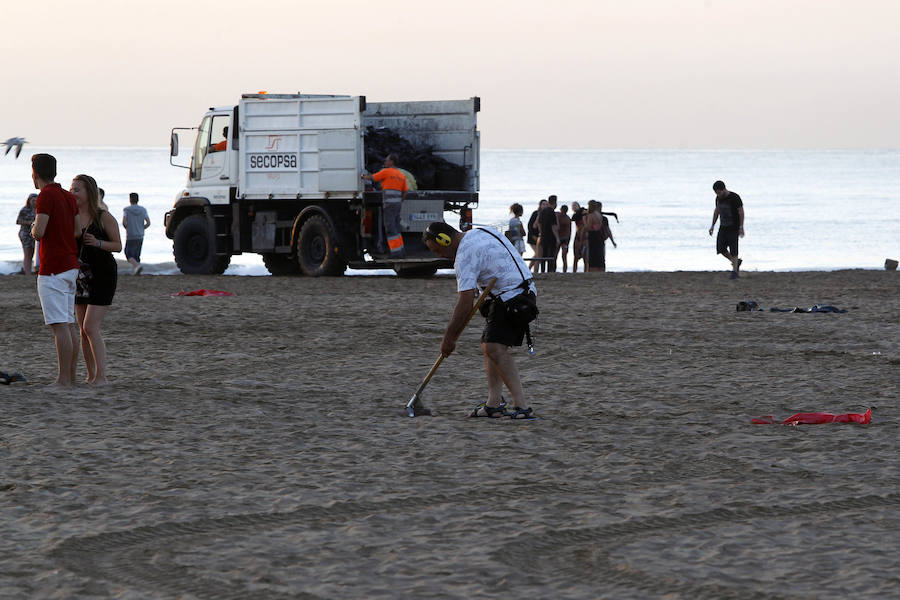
(523, 308)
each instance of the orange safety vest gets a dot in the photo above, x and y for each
(391, 179)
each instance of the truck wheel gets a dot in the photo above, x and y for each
(281, 264)
(317, 249)
(419, 271)
(195, 248)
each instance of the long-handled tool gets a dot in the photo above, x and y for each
(415, 407)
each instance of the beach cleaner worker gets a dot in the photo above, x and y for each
(56, 226)
(394, 186)
(479, 256)
(730, 210)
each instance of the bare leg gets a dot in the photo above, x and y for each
(89, 363)
(90, 329)
(73, 364)
(65, 352)
(498, 357)
(26, 263)
(733, 260)
(535, 253)
(495, 383)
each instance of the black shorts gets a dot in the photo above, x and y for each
(499, 328)
(727, 240)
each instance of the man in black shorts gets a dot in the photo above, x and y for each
(730, 211)
(479, 256)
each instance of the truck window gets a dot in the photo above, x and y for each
(201, 147)
(218, 140)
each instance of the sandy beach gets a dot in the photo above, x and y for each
(255, 446)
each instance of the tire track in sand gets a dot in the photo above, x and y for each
(127, 556)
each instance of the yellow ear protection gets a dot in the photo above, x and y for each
(440, 238)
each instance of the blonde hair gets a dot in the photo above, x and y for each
(93, 195)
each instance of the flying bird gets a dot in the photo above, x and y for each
(14, 142)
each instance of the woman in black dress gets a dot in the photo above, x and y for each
(98, 273)
(597, 229)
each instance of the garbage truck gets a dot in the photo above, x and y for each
(280, 175)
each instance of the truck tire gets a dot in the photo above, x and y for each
(317, 251)
(417, 271)
(195, 248)
(281, 264)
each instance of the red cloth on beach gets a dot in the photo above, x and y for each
(817, 419)
(204, 293)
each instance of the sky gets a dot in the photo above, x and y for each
(561, 74)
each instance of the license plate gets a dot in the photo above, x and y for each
(423, 216)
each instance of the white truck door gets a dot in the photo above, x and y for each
(295, 144)
(210, 177)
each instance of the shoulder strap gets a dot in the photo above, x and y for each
(525, 282)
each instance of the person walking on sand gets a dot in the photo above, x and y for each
(479, 256)
(394, 186)
(597, 231)
(565, 234)
(548, 226)
(25, 220)
(98, 274)
(135, 220)
(57, 226)
(730, 212)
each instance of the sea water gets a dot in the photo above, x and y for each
(804, 209)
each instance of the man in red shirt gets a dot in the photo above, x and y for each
(393, 183)
(56, 226)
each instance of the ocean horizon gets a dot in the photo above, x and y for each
(806, 210)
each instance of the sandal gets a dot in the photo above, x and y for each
(521, 413)
(490, 411)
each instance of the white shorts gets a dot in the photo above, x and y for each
(57, 294)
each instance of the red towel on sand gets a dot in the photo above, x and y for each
(817, 419)
(204, 293)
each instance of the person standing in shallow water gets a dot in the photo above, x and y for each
(548, 226)
(516, 230)
(25, 220)
(135, 220)
(597, 230)
(580, 244)
(730, 213)
(533, 233)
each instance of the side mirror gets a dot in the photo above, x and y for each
(173, 145)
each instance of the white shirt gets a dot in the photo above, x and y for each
(482, 256)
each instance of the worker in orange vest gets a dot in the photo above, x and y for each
(394, 187)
